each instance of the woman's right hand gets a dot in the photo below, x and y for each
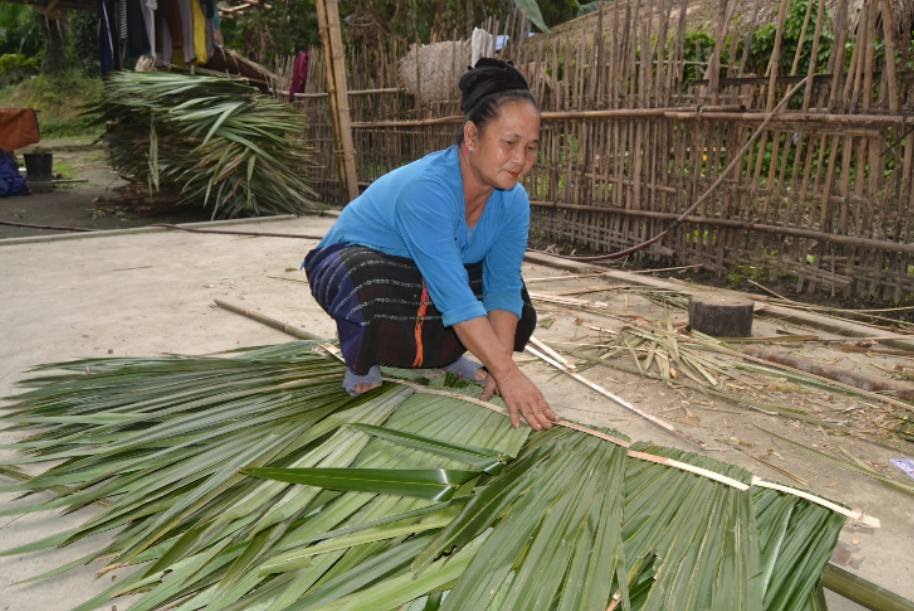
(523, 398)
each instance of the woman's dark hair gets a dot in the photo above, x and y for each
(486, 87)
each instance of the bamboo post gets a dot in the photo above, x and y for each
(328, 18)
(862, 591)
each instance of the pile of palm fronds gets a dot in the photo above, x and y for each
(213, 141)
(254, 482)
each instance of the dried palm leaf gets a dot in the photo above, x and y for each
(214, 142)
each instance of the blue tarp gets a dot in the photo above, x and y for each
(11, 181)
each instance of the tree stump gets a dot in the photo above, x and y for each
(720, 315)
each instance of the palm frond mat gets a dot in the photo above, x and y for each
(252, 482)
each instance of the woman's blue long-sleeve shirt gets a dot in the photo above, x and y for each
(417, 211)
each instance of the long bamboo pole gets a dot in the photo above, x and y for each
(328, 16)
(883, 245)
(862, 591)
(784, 119)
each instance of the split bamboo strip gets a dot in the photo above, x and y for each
(857, 516)
(555, 355)
(684, 114)
(737, 224)
(596, 387)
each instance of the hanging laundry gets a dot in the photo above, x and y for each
(199, 32)
(137, 41)
(210, 38)
(170, 26)
(217, 30)
(163, 34)
(299, 74)
(107, 37)
(149, 18)
(18, 128)
(186, 12)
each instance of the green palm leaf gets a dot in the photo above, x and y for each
(393, 499)
(186, 133)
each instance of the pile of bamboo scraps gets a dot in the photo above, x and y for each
(661, 346)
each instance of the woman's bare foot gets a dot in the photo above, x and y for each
(467, 369)
(363, 388)
(356, 384)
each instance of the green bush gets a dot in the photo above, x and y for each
(60, 100)
(14, 67)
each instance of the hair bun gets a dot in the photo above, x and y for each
(488, 76)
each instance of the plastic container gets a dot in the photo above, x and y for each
(39, 167)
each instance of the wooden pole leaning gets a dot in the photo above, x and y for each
(328, 19)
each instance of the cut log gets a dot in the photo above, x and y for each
(720, 315)
(857, 379)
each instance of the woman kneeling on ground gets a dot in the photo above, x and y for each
(426, 263)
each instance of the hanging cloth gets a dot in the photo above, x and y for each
(18, 128)
(210, 38)
(149, 18)
(11, 181)
(170, 24)
(199, 32)
(185, 10)
(299, 74)
(137, 41)
(107, 42)
(163, 34)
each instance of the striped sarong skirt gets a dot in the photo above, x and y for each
(383, 311)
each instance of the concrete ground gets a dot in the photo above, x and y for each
(152, 293)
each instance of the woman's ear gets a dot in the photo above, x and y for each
(470, 135)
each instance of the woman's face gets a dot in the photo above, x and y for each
(505, 149)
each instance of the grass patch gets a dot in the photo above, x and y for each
(60, 100)
(65, 170)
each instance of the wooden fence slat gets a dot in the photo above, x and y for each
(627, 143)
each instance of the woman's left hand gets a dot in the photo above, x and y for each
(490, 387)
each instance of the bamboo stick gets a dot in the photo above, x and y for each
(884, 245)
(599, 389)
(335, 74)
(857, 516)
(687, 114)
(862, 591)
(555, 355)
(279, 325)
(852, 378)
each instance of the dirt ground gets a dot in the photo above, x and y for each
(152, 293)
(98, 203)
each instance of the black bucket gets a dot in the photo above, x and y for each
(39, 167)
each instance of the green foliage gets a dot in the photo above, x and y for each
(265, 35)
(380, 22)
(82, 41)
(60, 100)
(217, 142)
(739, 273)
(19, 29)
(559, 11)
(762, 44)
(14, 67)
(698, 48)
(534, 13)
(396, 509)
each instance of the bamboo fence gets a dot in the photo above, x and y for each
(630, 138)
